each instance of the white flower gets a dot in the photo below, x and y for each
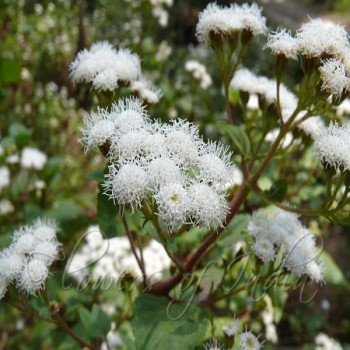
(324, 342)
(231, 329)
(12, 159)
(129, 146)
(311, 126)
(44, 230)
(23, 240)
(162, 171)
(173, 204)
(4, 177)
(334, 79)
(199, 72)
(32, 158)
(11, 264)
(128, 114)
(230, 20)
(33, 276)
(98, 128)
(282, 43)
(264, 249)
(245, 80)
(128, 185)
(146, 90)
(207, 208)
(3, 286)
(215, 166)
(248, 341)
(318, 37)
(105, 67)
(182, 142)
(6, 207)
(332, 146)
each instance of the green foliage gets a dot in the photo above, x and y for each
(161, 324)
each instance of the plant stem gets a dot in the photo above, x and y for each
(133, 249)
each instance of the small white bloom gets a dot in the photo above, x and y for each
(215, 166)
(245, 80)
(4, 177)
(6, 207)
(282, 43)
(231, 329)
(332, 146)
(128, 114)
(44, 230)
(199, 72)
(32, 158)
(11, 264)
(128, 185)
(318, 37)
(264, 249)
(248, 341)
(173, 204)
(146, 90)
(33, 276)
(98, 128)
(183, 142)
(162, 171)
(207, 208)
(343, 108)
(334, 79)
(311, 126)
(213, 346)
(12, 159)
(23, 240)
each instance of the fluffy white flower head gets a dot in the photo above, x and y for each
(332, 146)
(264, 249)
(33, 276)
(282, 43)
(173, 204)
(231, 329)
(229, 20)
(105, 67)
(318, 37)
(208, 208)
(32, 158)
(334, 79)
(127, 185)
(98, 128)
(248, 341)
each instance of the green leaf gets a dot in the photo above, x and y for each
(233, 232)
(239, 137)
(95, 322)
(332, 272)
(108, 216)
(278, 190)
(10, 71)
(159, 325)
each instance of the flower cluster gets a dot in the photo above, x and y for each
(332, 146)
(105, 67)
(199, 72)
(27, 260)
(111, 258)
(230, 21)
(283, 231)
(170, 165)
(321, 40)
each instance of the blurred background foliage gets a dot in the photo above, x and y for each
(40, 108)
